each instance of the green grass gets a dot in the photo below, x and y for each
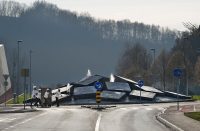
(20, 98)
(193, 115)
(196, 97)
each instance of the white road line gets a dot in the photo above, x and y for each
(148, 109)
(194, 108)
(134, 108)
(11, 119)
(7, 119)
(160, 108)
(24, 121)
(98, 123)
(123, 108)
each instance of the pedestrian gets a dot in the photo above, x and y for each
(38, 98)
(33, 96)
(47, 98)
(58, 94)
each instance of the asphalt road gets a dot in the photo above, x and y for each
(132, 118)
(75, 118)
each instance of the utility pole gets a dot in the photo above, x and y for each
(18, 68)
(185, 63)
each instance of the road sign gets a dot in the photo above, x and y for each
(98, 86)
(24, 72)
(177, 72)
(140, 83)
(5, 76)
(98, 96)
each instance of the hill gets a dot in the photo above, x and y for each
(65, 44)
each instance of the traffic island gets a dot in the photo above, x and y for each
(193, 115)
(176, 120)
(167, 123)
(97, 107)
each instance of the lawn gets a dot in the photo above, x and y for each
(20, 98)
(196, 97)
(193, 115)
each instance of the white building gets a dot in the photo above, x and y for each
(4, 70)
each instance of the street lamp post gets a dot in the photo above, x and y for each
(154, 54)
(30, 71)
(186, 66)
(18, 68)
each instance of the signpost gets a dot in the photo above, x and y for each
(98, 86)
(178, 73)
(140, 84)
(24, 73)
(5, 85)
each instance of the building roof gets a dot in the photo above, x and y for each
(90, 80)
(125, 79)
(84, 90)
(118, 86)
(144, 94)
(151, 89)
(114, 95)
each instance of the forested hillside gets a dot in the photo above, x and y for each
(137, 63)
(65, 44)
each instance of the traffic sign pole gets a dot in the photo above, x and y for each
(179, 83)
(98, 97)
(5, 96)
(140, 96)
(5, 85)
(25, 73)
(99, 87)
(140, 84)
(178, 73)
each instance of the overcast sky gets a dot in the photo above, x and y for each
(170, 13)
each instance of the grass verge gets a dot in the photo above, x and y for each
(20, 98)
(193, 115)
(196, 97)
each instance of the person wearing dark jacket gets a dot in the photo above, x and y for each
(58, 95)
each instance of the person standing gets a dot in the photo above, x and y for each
(47, 98)
(33, 96)
(38, 98)
(58, 94)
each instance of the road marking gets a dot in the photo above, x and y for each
(148, 109)
(160, 108)
(24, 121)
(123, 108)
(134, 108)
(7, 119)
(98, 123)
(194, 108)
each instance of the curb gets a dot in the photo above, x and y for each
(167, 123)
(18, 111)
(114, 103)
(96, 107)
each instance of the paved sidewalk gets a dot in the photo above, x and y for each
(179, 119)
(15, 109)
